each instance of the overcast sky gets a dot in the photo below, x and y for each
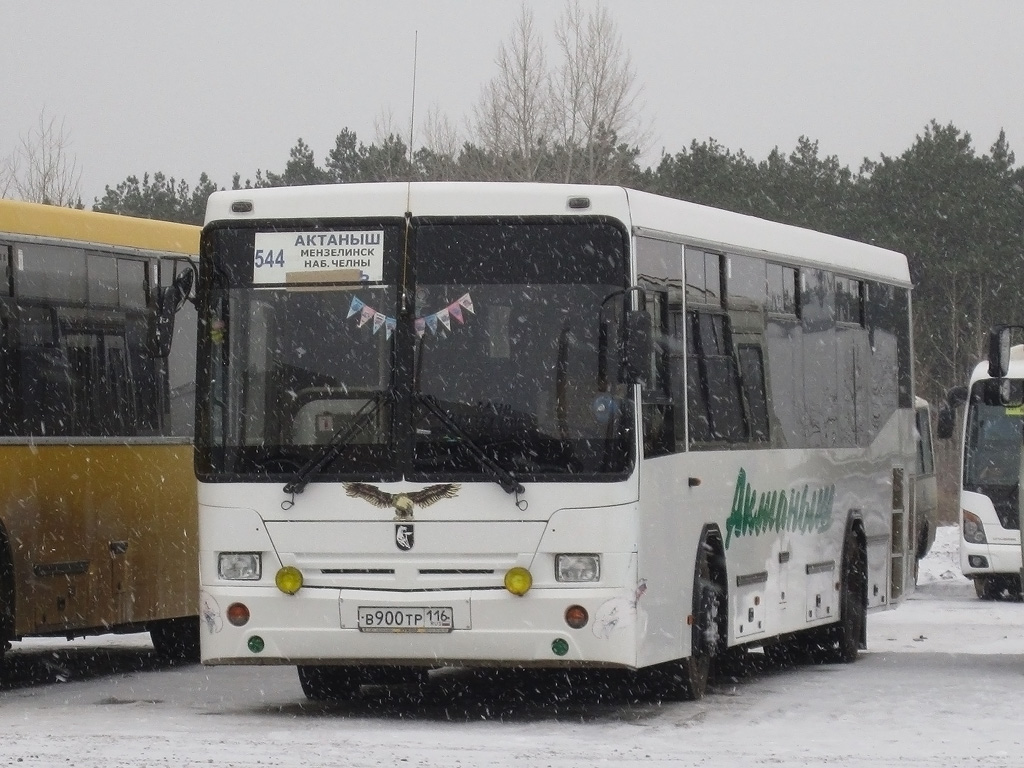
(190, 86)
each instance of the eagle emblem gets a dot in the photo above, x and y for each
(403, 502)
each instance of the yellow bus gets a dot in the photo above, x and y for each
(97, 490)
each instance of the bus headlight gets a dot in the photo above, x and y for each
(240, 566)
(974, 530)
(577, 568)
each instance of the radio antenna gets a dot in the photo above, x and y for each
(412, 110)
(406, 298)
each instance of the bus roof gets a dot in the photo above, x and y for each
(642, 212)
(1015, 370)
(70, 224)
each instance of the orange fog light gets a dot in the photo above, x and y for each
(238, 614)
(576, 616)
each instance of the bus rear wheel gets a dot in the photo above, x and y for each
(842, 640)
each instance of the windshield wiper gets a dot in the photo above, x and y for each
(338, 442)
(501, 476)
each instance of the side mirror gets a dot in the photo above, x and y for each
(944, 427)
(636, 347)
(169, 300)
(999, 351)
(955, 398)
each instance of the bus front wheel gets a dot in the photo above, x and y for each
(687, 679)
(325, 683)
(176, 639)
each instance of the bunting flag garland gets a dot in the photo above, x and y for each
(366, 314)
(442, 318)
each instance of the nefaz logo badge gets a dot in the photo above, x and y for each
(403, 536)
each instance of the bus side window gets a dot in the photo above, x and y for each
(46, 391)
(715, 405)
(751, 362)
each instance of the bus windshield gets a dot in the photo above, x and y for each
(504, 355)
(993, 444)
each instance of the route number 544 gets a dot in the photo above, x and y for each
(268, 258)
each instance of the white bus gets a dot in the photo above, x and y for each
(990, 546)
(500, 424)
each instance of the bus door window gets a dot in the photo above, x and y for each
(660, 267)
(46, 384)
(100, 376)
(658, 424)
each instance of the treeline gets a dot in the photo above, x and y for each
(955, 212)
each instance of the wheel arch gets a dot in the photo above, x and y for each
(711, 537)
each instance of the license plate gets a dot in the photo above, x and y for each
(419, 619)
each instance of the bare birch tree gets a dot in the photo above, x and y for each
(41, 169)
(577, 122)
(513, 118)
(594, 95)
(437, 159)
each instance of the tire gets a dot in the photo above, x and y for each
(842, 640)
(922, 542)
(6, 599)
(786, 653)
(997, 587)
(687, 679)
(337, 683)
(1013, 584)
(176, 639)
(328, 683)
(983, 588)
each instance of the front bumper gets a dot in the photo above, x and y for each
(492, 628)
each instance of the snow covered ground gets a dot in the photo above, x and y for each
(942, 684)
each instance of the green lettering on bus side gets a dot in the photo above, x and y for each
(802, 510)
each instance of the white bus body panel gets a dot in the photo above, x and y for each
(645, 528)
(480, 534)
(1003, 548)
(780, 581)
